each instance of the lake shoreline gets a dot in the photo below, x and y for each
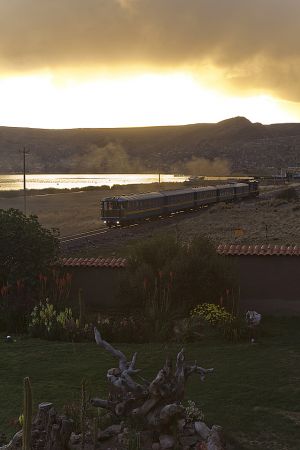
(116, 187)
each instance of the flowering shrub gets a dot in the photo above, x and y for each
(211, 313)
(232, 326)
(43, 319)
(48, 323)
(193, 412)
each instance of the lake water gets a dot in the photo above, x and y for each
(61, 181)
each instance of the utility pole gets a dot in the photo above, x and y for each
(159, 167)
(25, 153)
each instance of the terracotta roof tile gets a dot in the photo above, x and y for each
(94, 262)
(258, 250)
(222, 249)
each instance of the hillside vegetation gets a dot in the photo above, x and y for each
(233, 145)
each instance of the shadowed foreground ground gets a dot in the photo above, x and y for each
(254, 392)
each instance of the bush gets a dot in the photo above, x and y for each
(132, 328)
(213, 314)
(231, 325)
(47, 323)
(190, 272)
(14, 305)
(18, 300)
(26, 248)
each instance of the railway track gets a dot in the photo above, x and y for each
(85, 235)
(91, 237)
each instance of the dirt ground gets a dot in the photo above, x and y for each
(257, 221)
(70, 212)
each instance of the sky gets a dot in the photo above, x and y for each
(120, 63)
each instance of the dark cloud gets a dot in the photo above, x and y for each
(254, 43)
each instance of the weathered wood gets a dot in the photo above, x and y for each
(120, 377)
(158, 402)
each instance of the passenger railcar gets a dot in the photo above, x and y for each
(133, 208)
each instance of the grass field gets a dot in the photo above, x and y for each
(254, 393)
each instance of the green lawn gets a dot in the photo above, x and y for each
(254, 393)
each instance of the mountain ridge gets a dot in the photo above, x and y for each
(244, 145)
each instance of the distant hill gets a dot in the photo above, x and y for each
(235, 144)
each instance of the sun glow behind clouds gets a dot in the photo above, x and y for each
(138, 100)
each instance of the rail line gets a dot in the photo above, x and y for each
(91, 233)
(84, 236)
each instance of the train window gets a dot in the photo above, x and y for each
(123, 205)
(111, 205)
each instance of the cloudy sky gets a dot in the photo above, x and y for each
(106, 63)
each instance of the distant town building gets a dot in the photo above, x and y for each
(293, 172)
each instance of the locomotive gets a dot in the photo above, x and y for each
(133, 208)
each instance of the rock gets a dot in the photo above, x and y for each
(215, 439)
(168, 412)
(189, 429)
(188, 441)
(202, 429)
(146, 437)
(166, 441)
(180, 425)
(156, 446)
(41, 420)
(113, 430)
(123, 438)
(75, 438)
(200, 446)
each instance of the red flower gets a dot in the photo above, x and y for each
(20, 285)
(3, 290)
(145, 283)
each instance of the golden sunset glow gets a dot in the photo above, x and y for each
(121, 63)
(47, 101)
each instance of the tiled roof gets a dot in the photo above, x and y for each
(222, 249)
(258, 250)
(111, 262)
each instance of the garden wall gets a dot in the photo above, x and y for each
(268, 276)
(268, 279)
(99, 279)
(270, 284)
(99, 285)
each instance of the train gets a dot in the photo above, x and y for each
(133, 208)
